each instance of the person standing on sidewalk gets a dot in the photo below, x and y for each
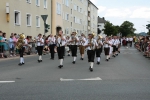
(1, 45)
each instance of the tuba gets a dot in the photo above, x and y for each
(20, 41)
(98, 42)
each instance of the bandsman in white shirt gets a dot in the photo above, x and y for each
(99, 49)
(117, 46)
(91, 45)
(107, 45)
(114, 45)
(68, 45)
(127, 41)
(51, 41)
(110, 40)
(74, 45)
(60, 43)
(82, 41)
(130, 41)
(40, 44)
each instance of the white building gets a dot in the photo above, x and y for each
(101, 24)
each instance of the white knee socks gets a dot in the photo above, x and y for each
(98, 59)
(74, 58)
(61, 61)
(92, 64)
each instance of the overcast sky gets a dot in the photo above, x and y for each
(117, 11)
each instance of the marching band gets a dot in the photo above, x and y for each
(92, 44)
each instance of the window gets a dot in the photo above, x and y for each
(67, 17)
(80, 10)
(67, 3)
(28, 19)
(75, 19)
(80, 21)
(71, 11)
(37, 2)
(45, 3)
(58, 9)
(37, 21)
(71, 24)
(28, 1)
(17, 18)
(75, 7)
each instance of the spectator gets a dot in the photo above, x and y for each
(12, 45)
(1, 45)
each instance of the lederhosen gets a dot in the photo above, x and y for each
(60, 50)
(91, 54)
(74, 50)
(81, 47)
(114, 46)
(106, 49)
(98, 50)
(40, 48)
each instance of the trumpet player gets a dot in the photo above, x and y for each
(21, 43)
(99, 49)
(82, 41)
(74, 44)
(40, 44)
(91, 45)
(60, 43)
(51, 41)
(107, 45)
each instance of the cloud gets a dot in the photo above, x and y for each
(115, 12)
(101, 9)
(143, 12)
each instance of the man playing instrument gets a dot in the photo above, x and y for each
(82, 41)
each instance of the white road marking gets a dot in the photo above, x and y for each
(88, 79)
(7, 81)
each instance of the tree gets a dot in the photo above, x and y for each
(127, 28)
(148, 27)
(110, 29)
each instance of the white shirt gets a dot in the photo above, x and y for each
(93, 42)
(130, 39)
(51, 40)
(39, 43)
(127, 39)
(74, 43)
(82, 42)
(115, 42)
(61, 42)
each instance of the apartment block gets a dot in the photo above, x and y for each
(72, 16)
(24, 16)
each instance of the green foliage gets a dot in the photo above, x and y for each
(127, 28)
(110, 29)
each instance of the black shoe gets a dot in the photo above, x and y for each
(23, 63)
(20, 64)
(81, 59)
(73, 62)
(119, 51)
(114, 56)
(91, 69)
(98, 63)
(68, 54)
(39, 61)
(107, 60)
(60, 66)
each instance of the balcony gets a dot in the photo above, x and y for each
(89, 27)
(89, 18)
(89, 9)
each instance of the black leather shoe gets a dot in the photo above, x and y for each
(39, 61)
(73, 62)
(23, 63)
(91, 69)
(60, 66)
(20, 64)
(98, 63)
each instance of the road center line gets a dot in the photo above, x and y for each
(88, 79)
(7, 81)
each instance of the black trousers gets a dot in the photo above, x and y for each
(98, 52)
(21, 51)
(130, 43)
(60, 51)
(107, 50)
(51, 47)
(1, 48)
(40, 50)
(91, 55)
(74, 50)
(114, 49)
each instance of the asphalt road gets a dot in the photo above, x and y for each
(126, 77)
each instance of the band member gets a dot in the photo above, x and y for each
(118, 45)
(40, 44)
(91, 45)
(74, 43)
(110, 47)
(130, 41)
(68, 45)
(51, 40)
(60, 43)
(99, 49)
(107, 45)
(20, 46)
(114, 45)
(82, 41)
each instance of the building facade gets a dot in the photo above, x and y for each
(100, 26)
(72, 16)
(24, 16)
